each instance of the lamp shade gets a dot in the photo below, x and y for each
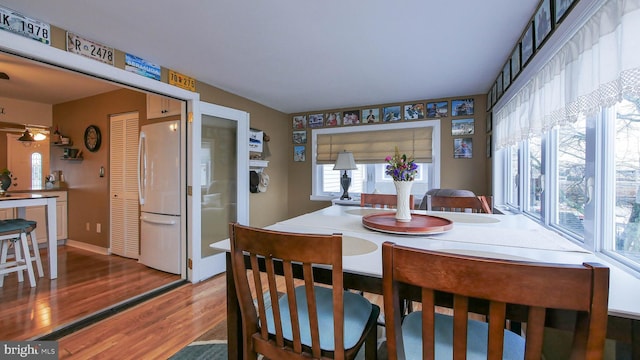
(345, 161)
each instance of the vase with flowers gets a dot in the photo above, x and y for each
(403, 170)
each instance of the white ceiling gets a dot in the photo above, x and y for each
(296, 56)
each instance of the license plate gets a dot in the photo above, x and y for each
(25, 26)
(182, 81)
(91, 49)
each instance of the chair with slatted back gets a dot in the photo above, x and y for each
(476, 204)
(382, 201)
(307, 320)
(526, 291)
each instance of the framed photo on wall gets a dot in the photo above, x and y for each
(299, 122)
(332, 119)
(515, 62)
(499, 85)
(351, 117)
(414, 111)
(316, 120)
(461, 127)
(488, 146)
(370, 116)
(300, 137)
(462, 107)
(489, 121)
(391, 113)
(438, 109)
(299, 153)
(542, 22)
(527, 45)
(462, 148)
(506, 75)
(561, 7)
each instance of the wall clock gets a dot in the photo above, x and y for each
(92, 138)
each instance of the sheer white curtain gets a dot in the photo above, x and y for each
(597, 67)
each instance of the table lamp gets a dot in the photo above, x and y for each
(345, 162)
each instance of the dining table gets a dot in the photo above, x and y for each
(20, 201)
(510, 237)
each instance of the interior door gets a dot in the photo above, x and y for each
(220, 185)
(27, 162)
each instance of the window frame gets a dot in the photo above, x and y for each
(316, 171)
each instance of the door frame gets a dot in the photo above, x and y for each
(48, 55)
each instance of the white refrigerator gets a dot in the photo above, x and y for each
(159, 193)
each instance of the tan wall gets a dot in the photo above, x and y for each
(468, 174)
(88, 193)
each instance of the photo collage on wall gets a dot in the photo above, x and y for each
(462, 146)
(382, 114)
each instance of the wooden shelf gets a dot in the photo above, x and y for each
(70, 143)
(72, 159)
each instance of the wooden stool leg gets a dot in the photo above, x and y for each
(17, 253)
(27, 259)
(36, 253)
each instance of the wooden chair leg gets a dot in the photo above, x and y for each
(371, 345)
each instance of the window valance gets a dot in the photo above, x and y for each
(374, 146)
(596, 68)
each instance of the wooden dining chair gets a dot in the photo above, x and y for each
(300, 318)
(476, 204)
(382, 201)
(505, 288)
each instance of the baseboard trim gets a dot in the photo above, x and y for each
(84, 246)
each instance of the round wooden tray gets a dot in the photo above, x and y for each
(419, 224)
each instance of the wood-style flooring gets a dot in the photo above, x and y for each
(87, 283)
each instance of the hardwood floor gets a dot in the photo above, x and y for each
(87, 283)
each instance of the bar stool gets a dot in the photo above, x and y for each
(30, 229)
(15, 231)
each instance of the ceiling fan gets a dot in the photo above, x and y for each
(30, 132)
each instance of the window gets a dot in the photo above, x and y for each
(514, 177)
(370, 176)
(36, 171)
(625, 239)
(535, 177)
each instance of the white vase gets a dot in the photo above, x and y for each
(403, 209)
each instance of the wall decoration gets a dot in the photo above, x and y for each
(391, 113)
(299, 153)
(332, 119)
(494, 93)
(256, 140)
(561, 7)
(506, 75)
(489, 100)
(515, 62)
(488, 146)
(438, 109)
(542, 22)
(351, 117)
(316, 120)
(414, 111)
(371, 115)
(462, 148)
(489, 121)
(461, 127)
(462, 107)
(299, 122)
(499, 85)
(527, 45)
(300, 137)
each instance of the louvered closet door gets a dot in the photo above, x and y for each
(125, 214)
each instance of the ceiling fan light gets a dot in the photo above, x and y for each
(26, 136)
(39, 136)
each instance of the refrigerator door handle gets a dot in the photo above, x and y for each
(142, 157)
(159, 222)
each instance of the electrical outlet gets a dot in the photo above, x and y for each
(98, 228)
(88, 227)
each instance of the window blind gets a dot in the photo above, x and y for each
(374, 146)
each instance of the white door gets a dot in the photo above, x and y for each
(123, 182)
(28, 162)
(219, 176)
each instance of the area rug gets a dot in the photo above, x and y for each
(203, 350)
